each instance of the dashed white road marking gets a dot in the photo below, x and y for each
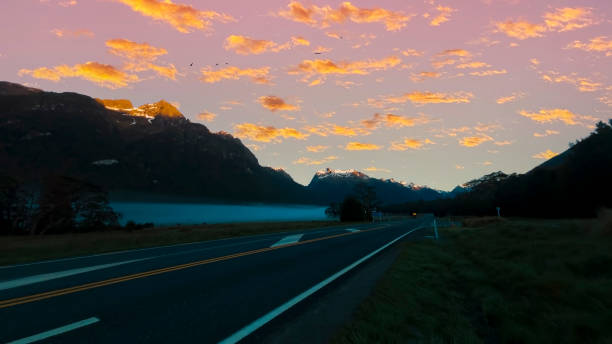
(56, 331)
(291, 239)
(352, 230)
(20, 282)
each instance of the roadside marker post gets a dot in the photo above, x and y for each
(435, 228)
(498, 209)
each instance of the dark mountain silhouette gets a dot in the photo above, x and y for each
(576, 183)
(150, 149)
(334, 186)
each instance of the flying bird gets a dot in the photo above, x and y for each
(191, 64)
(317, 53)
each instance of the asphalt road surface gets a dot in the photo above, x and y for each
(207, 292)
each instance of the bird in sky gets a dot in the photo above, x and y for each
(191, 64)
(317, 53)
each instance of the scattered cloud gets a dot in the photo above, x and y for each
(184, 18)
(327, 129)
(474, 141)
(376, 169)
(560, 20)
(316, 149)
(206, 116)
(548, 132)
(65, 33)
(309, 161)
(140, 57)
(511, 98)
(257, 75)
(455, 52)
(459, 167)
(323, 17)
(274, 103)
(431, 98)
(473, 65)
(244, 45)
(409, 144)
(553, 115)
(503, 143)
(267, 134)
(393, 121)
(444, 13)
(599, 44)
(412, 52)
(581, 83)
(422, 76)
(321, 68)
(489, 72)
(358, 146)
(101, 74)
(547, 154)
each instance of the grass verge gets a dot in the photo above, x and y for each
(514, 281)
(22, 249)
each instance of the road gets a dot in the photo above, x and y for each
(207, 292)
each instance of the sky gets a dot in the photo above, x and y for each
(428, 92)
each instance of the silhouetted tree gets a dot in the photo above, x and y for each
(352, 210)
(333, 210)
(366, 194)
(16, 206)
(67, 204)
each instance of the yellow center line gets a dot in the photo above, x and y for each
(92, 285)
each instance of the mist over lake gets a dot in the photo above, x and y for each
(190, 213)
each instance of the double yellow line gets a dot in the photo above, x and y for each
(70, 290)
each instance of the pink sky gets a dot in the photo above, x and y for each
(429, 92)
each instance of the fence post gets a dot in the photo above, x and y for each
(435, 228)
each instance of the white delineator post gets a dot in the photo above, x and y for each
(498, 209)
(435, 228)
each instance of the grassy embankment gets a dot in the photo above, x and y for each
(21, 249)
(510, 281)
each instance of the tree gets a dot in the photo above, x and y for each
(366, 194)
(352, 209)
(333, 210)
(67, 204)
(16, 206)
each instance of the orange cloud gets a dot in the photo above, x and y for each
(206, 116)
(568, 19)
(358, 146)
(489, 72)
(257, 75)
(376, 169)
(140, 57)
(184, 18)
(521, 29)
(443, 16)
(412, 52)
(552, 115)
(473, 141)
(316, 149)
(432, 98)
(473, 65)
(503, 143)
(322, 68)
(274, 103)
(581, 83)
(323, 17)
(513, 97)
(267, 134)
(548, 132)
(338, 130)
(409, 144)
(394, 121)
(455, 52)
(425, 75)
(548, 154)
(244, 45)
(562, 19)
(72, 33)
(599, 44)
(443, 63)
(98, 73)
(309, 161)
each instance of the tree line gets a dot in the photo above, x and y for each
(59, 205)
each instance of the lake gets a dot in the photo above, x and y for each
(194, 213)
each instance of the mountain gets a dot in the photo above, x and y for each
(575, 183)
(334, 185)
(150, 149)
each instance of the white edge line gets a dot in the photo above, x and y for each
(56, 331)
(252, 327)
(163, 246)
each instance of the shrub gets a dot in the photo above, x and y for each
(352, 209)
